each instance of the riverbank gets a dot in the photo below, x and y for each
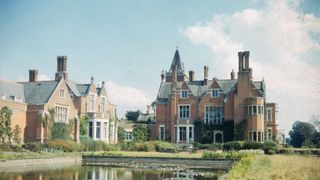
(276, 167)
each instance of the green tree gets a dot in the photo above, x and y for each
(121, 134)
(140, 133)
(302, 133)
(132, 115)
(5, 124)
(61, 131)
(84, 125)
(16, 134)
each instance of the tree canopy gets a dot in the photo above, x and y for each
(132, 115)
(302, 133)
(140, 133)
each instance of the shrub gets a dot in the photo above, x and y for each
(225, 155)
(232, 145)
(165, 147)
(33, 146)
(66, 146)
(61, 131)
(215, 146)
(252, 145)
(150, 146)
(10, 147)
(270, 146)
(127, 146)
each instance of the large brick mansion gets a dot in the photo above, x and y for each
(31, 101)
(213, 110)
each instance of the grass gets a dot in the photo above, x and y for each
(276, 167)
(34, 155)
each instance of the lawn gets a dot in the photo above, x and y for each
(277, 167)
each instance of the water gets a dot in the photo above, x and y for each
(108, 173)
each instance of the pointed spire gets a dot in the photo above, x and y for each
(177, 62)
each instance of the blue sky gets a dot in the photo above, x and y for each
(128, 43)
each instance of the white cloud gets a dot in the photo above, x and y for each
(41, 77)
(127, 98)
(279, 39)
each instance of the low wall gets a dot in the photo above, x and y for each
(158, 162)
(18, 165)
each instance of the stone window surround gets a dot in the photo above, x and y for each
(177, 131)
(184, 94)
(67, 113)
(189, 114)
(102, 128)
(205, 107)
(259, 136)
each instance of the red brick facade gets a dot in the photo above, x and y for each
(216, 110)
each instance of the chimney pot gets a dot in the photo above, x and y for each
(232, 75)
(61, 68)
(205, 79)
(103, 83)
(33, 75)
(92, 79)
(191, 76)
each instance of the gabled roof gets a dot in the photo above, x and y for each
(83, 89)
(73, 86)
(37, 93)
(197, 88)
(11, 89)
(177, 61)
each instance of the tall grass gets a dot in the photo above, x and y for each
(276, 167)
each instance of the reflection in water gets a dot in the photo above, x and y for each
(110, 173)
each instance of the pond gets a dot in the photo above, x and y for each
(109, 173)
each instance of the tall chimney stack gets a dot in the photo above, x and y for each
(61, 68)
(232, 75)
(92, 79)
(191, 76)
(33, 75)
(240, 54)
(246, 56)
(205, 74)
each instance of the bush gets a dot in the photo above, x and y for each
(10, 147)
(66, 146)
(127, 146)
(225, 155)
(270, 146)
(34, 146)
(232, 145)
(252, 145)
(165, 147)
(61, 131)
(150, 146)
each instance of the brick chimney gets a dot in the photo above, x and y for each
(33, 75)
(232, 75)
(205, 74)
(102, 84)
(61, 68)
(191, 76)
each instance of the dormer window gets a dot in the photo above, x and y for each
(184, 94)
(215, 93)
(62, 93)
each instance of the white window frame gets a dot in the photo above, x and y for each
(189, 113)
(259, 110)
(59, 117)
(270, 133)
(215, 95)
(3, 96)
(212, 121)
(267, 114)
(164, 132)
(177, 133)
(92, 102)
(184, 94)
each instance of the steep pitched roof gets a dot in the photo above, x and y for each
(11, 89)
(260, 86)
(83, 89)
(73, 86)
(177, 61)
(37, 93)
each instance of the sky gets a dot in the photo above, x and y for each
(128, 44)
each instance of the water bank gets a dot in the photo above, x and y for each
(158, 162)
(19, 165)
